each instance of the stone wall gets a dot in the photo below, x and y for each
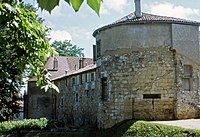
(76, 103)
(146, 83)
(39, 102)
(188, 101)
(140, 85)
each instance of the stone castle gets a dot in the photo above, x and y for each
(144, 67)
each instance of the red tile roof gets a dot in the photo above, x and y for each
(86, 68)
(147, 18)
(65, 65)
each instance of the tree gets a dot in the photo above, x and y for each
(65, 48)
(49, 5)
(23, 46)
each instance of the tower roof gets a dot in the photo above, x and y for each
(147, 18)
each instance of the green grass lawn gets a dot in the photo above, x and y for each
(147, 129)
(124, 129)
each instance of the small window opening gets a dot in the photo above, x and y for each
(86, 78)
(151, 96)
(62, 102)
(104, 88)
(187, 78)
(92, 76)
(80, 79)
(76, 98)
(187, 70)
(73, 81)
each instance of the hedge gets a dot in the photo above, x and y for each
(26, 124)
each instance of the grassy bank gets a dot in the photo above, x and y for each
(147, 129)
(124, 129)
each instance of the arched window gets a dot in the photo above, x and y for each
(55, 63)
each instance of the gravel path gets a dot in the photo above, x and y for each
(188, 123)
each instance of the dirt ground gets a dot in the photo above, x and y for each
(187, 123)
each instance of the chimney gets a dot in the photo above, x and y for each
(82, 62)
(138, 12)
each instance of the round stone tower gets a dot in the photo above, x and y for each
(139, 73)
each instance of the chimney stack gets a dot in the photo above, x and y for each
(138, 12)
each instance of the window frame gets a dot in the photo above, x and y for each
(187, 75)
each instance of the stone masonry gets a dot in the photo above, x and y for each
(131, 75)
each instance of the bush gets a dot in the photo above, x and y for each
(26, 124)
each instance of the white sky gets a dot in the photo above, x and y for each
(79, 26)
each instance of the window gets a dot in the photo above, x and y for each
(73, 81)
(62, 102)
(80, 79)
(86, 78)
(76, 98)
(98, 43)
(55, 63)
(187, 77)
(92, 85)
(187, 71)
(151, 96)
(186, 84)
(77, 79)
(104, 88)
(92, 77)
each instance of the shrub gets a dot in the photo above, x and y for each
(9, 126)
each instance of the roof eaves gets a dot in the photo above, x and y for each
(75, 73)
(144, 22)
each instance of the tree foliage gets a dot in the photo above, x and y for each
(23, 44)
(49, 5)
(65, 48)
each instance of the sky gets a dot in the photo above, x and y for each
(66, 24)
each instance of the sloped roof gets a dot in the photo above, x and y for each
(65, 64)
(87, 68)
(147, 18)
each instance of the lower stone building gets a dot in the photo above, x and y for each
(145, 67)
(75, 104)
